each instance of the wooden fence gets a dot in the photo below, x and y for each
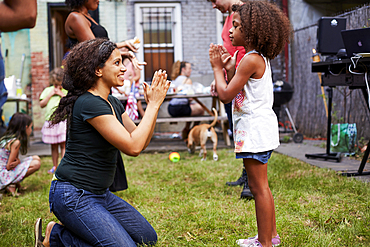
(307, 106)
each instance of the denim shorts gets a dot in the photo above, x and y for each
(262, 157)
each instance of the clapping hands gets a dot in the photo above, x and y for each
(156, 92)
(221, 58)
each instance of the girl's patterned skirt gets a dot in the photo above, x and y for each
(13, 176)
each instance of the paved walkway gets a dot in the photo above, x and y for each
(296, 150)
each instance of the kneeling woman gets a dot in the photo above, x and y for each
(98, 128)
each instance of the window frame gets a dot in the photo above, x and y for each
(176, 32)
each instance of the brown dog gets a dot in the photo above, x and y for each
(199, 135)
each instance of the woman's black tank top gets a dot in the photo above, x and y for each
(96, 29)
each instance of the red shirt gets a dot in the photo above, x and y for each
(227, 43)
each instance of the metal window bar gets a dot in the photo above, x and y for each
(158, 39)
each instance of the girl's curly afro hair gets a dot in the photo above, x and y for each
(264, 26)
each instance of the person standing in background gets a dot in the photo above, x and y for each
(133, 75)
(80, 26)
(225, 6)
(54, 135)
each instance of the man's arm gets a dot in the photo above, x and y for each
(17, 14)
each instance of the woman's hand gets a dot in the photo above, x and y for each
(213, 89)
(156, 92)
(135, 62)
(130, 55)
(127, 44)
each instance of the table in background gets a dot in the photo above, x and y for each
(216, 103)
(17, 100)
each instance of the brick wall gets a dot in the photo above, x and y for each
(40, 80)
(198, 31)
(39, 62)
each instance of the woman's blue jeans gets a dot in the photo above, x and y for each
(96, 220)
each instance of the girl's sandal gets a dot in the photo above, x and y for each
(20, 188)
(12, 189)
(52, 170)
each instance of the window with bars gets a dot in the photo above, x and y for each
(158, 45)
(158, 25)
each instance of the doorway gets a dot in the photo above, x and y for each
(58, 39)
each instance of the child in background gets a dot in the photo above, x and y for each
(55, 135)
(263, 29)
(132, 74)
(15, 140)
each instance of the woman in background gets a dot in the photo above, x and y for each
(183, 107)
(80, 26)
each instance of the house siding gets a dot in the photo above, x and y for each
(199, 29)
(307, 106)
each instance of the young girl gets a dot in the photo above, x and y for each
(132, 74)
(15, 140)
(263, 29)
(55, 135)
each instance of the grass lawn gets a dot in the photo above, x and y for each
(189, 204)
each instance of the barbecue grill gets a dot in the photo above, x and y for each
(283, 93)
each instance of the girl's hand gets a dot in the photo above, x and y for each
(156, 92)
(215, 57)
(228, 61)
(58, 91)
(13, 164)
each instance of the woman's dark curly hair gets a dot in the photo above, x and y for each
(17, 129)
(79, 73)
(265, 27)
(75, 4)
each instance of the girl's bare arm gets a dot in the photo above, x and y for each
(252, 66)
(13, 159)
(131, 139)
(45, 101)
